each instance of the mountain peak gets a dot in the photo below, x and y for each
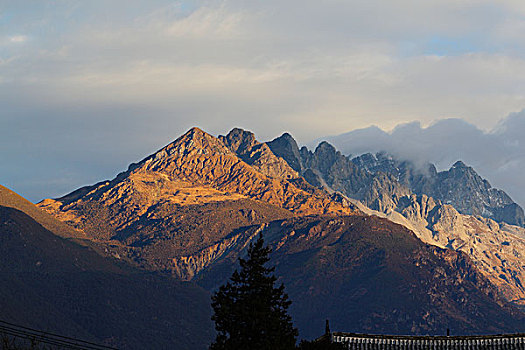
(258, 155)
(239, 140)
(285, 147)
(193, 141)
(287, 136)
(285, 139)
(324, 146)
(459, 165)
(195, 169)
(196, 129)
(195, 133)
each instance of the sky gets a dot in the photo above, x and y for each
(87, 87)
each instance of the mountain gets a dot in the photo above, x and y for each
(189, 195)
(401, 192)
(496, 153)
(11, 199)
(256, 154)
(53, 284)
(191, 208)
(328, 168)
(496, 249)
(460, 186)
(367, 274)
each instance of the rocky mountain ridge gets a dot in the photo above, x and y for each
(236, 182)
(386, 187)
(328, 168)
(143, 210)
(496, 249)
(459, 186)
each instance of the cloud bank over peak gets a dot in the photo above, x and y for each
(497, 155)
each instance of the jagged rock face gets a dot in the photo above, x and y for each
(239, 140)
(257, 154)
(383, 193)
(286, 147)
(459, 186)
(497, 253)
(462, 187)
(202, 159)
(326, 167)
(509, 213)
(369, 275)
(496, 250)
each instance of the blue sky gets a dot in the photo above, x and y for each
(86, 87)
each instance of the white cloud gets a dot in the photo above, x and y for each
(208, 22)
(18, 38)
(497, 154)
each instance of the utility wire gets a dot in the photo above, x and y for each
(49, 338)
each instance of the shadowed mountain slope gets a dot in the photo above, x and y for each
(367, 274)
(52, 284)
(10, 199)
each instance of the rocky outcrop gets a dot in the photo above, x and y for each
(188, 266)
(497, 250)
(328, 168)
(464, 189)
(286, 147)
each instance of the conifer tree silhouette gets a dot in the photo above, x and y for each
(249, 311)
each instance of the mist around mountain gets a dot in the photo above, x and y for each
(358, 177)
(191, 209)
(497, 154)
(459, 186)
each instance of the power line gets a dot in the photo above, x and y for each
(48, 338)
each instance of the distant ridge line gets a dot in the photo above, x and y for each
(48, 338)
